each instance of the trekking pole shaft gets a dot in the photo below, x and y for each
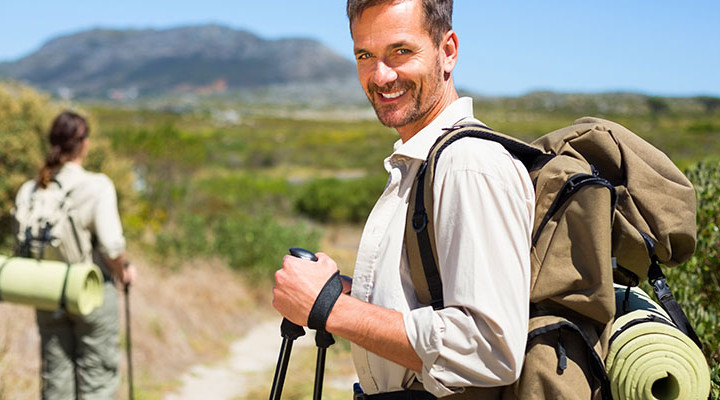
(281, 369)
(319, 373)
(128, 339)
(289, 331)
(323, 340)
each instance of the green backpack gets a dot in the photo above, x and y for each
(609, 208)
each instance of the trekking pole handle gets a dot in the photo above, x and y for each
(288, 329)
(126, 286)
(303, 253)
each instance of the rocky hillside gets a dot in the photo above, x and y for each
(199, 59)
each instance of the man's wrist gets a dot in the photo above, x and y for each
(325, 301)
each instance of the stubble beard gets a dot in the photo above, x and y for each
(387, 114)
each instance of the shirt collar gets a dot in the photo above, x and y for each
(419, 145)
(71, 166)
(68, 171)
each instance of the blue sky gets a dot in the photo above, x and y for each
(659, 47)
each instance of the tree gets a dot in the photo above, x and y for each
(25, 117)
(657, 106)
(710, 103)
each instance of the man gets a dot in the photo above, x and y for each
(80, 354)
(483, 207)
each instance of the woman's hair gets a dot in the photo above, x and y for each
(66, 136)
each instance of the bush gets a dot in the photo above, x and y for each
(254, 193)
(252, 245)
(336, 200)
(256, 245)
(25, 118)
(696, 284)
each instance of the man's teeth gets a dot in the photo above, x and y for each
(392, 95)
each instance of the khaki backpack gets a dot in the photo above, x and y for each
(609, 207)
(47, 227)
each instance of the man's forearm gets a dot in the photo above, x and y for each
(376, 329)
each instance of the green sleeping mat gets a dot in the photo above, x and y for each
(40, 284)
(649, 357)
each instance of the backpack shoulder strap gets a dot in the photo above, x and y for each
(419, 227)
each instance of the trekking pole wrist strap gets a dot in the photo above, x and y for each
(324, 302)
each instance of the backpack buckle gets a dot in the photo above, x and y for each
(419, 221)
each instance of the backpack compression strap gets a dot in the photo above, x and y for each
(419, 228)
(663, 293)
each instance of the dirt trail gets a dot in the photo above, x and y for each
(183, 315)
(256, 353)
(252, 359)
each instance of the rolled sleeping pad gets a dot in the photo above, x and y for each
(649, 357)
(40, 283)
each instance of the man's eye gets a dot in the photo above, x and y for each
(363, 56)
(403, 51)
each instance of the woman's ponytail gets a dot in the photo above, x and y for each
(67, 134)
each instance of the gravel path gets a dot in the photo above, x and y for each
(255, 353)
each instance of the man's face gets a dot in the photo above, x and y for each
(398, 64)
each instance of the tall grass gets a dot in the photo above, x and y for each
(696, 284)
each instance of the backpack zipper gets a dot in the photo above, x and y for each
(575, 183)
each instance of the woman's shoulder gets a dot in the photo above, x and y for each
(26, 189)
(85, 184)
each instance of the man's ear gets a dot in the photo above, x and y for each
(449, 51)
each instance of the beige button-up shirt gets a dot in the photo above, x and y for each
(95, 198)
(483, 210)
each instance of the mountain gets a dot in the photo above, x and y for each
(197, 59)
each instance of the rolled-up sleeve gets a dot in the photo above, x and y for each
(106, 220)
(483, 222)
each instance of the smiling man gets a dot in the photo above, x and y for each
(483, 206)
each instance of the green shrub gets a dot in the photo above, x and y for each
(25, 118)
(336, 200)
(252, 245)
(696, 284)
(256, 245)
(253, 193)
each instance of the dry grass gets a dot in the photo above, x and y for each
(182, 316)
(19, 356)
(187, 316)
(339, 375)
(341, 243)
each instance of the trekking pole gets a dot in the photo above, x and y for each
(323, 340)
(289, 331)
(128, 337)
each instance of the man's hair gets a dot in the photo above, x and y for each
(438, 14)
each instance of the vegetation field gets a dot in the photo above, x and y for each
(218, 181)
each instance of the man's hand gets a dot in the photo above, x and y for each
(297, 285)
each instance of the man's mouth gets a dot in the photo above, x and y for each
(393, 95)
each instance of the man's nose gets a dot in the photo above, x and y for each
(384, 74)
